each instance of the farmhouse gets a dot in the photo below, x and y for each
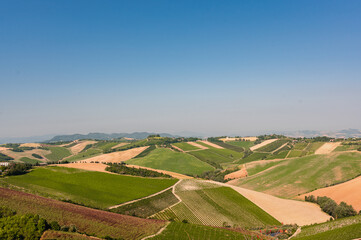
(4, 164)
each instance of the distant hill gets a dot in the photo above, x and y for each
(106, 136)
(346, 133)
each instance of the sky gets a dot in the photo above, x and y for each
(213, 67)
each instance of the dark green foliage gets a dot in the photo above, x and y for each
(27, 226)
(36, 156)
(359, 149)
(121, 168)
(16, 169)
(216, 175)
(149, 206)
(146, 152)
(6, 212)
(4, 157)
(55, 225)
(330, 207)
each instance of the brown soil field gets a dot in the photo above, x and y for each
(120, 145)
(34, 145)
(348, 192)
(238, 174)
(18, 155)
(284, 210)
(80, 146)
(327, 148)
(99, 167)
(3, 149)
(228, 139)
(117, 157)
(87, 220)
(197, 145)
(212, 144)
(264, 143)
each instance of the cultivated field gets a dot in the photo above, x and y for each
(117, 157)
(210, 144)
(301, 175)
(341, 229)
(349, 192)
(181, 231)
(166, 159)
(264, 143)
(80, 146)
(220, 206)
(186, 146)
(87, 220)
(284, 210)
(327, 148)
(26, 154)
(88, 187)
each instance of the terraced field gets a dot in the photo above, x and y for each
(90, 188)
(220, 206)
(300, 175)
(87, 220)
(166, 159)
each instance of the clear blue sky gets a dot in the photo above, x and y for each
(216, 67)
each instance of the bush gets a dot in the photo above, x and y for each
(36, 156)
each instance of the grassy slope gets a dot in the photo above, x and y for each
(149, 206)
(301, 175)
(167, 159)
(341, 229)
(90, 188)
(253, 157)
(90, 221)
(57, 153)
(218, 205)
(185, 146)
(181, 231)
(254, 169)
(217, 155)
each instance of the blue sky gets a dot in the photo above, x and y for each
(215, 67)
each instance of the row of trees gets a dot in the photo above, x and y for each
(330, 207)
(121, 168)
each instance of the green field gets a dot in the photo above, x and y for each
(182, 231)
(254, 169)
(230, 146)
(149, 206)
(29, 160)
(280, 155)
(312, 147)
(57, 153)
(166, 159)
(217, 155)
(90, 188)
(272, 146)
(300, 175)
(296, 153)
(340, 229)
(253, 157)
(185, 146)
(243, 144)
(91, 152)
(213, 205)
(300, 146)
